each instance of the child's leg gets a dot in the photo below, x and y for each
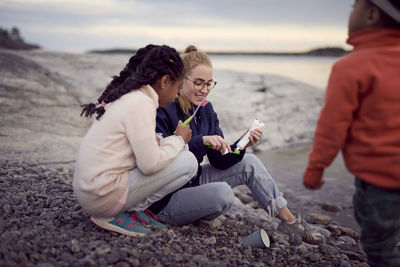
(143, 190)
(251, 172)
(378, 213)
(190, 204)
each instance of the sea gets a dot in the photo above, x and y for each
(313, 70)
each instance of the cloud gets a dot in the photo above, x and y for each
(215, 25)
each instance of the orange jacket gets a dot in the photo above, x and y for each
(361, 114)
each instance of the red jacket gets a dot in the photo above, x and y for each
(361, 114)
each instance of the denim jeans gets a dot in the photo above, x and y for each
(377, 210)
(214, 195)
(143, 190)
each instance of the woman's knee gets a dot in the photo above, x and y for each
(223, 196)
(251, 160)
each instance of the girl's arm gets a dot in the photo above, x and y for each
(167, 119)
(140, 130)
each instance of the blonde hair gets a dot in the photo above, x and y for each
(191, 59)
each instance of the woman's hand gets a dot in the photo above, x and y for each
(254, 137)
(184, 132)
(217, 142)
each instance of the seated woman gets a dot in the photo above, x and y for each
(210, 193)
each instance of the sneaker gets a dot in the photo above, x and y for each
(151, 219)
(126, 223)
(299, 228)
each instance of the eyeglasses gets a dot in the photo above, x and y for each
(200, 83)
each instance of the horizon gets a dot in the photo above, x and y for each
(275, 26)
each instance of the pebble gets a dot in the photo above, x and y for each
(60, 233)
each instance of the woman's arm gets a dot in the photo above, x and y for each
(215, 157)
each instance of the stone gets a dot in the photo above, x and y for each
(349, 232)
(347, 240)
(216, 223)
(302, 249)
(318, 219)
(327, 250)
(75, 246)
(210, 241)
(331, 208)
(314, 257)
(295, 240)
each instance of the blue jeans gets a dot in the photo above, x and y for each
(214, 195)
(377, 210)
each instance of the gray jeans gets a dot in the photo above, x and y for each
(214, 195)
(143, 190)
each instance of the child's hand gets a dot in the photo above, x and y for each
(217, 142)
(312, 178)
(254, 137)
(184, 131)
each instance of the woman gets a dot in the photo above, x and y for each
(210, 193)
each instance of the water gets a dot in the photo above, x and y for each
(313, 70)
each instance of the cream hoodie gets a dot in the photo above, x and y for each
(123, 139)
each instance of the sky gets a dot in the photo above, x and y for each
(211, 25)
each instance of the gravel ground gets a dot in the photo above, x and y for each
(41, 224)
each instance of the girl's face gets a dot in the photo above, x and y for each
(197, 83)
(169, 92)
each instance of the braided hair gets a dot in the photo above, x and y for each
(148, 65)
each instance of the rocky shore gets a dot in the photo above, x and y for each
(41, 223)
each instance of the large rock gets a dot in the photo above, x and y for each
(41, 94)
(39, 115)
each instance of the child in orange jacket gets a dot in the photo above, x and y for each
(361, 117)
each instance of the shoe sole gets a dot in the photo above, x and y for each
(115, 229)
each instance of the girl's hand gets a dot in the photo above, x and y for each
(184, 132)
(217, 142)
(254, 137)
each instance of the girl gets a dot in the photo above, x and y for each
(122, 166)
(210, 194)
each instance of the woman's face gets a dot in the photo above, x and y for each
(201, 74)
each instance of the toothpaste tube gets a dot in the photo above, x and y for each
(245, 139)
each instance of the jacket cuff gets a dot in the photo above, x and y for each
(313, 177)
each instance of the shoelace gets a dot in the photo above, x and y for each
(135, 218)
(150, 214)
(303, 225)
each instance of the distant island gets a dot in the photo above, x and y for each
(12, 39)
(324, 51)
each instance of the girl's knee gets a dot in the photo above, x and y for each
(188, 163)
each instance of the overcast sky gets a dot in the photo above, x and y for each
(211, 25)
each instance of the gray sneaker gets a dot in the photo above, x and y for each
(299, 228)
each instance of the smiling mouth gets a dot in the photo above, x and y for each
(201, 97)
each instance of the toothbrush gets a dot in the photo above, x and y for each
(237, 152)
(202, 104)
